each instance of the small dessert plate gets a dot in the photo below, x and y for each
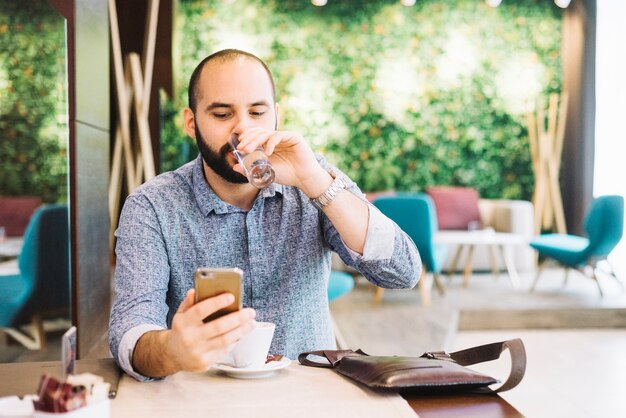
(253, 372)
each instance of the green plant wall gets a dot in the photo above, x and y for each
(33, 103)
(398, 97)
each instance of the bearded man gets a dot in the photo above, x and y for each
(207, 214)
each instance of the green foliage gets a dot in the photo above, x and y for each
(398, 97)
(33, 104)
(176, 147)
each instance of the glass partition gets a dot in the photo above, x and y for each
(34, 219)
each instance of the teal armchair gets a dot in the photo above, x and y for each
(42, 286)
(339, 284)
(604, 226)
(415, 214)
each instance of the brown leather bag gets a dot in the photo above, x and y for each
(432, 372)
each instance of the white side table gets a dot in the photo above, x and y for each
(494, 240)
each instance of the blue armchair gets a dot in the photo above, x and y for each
(42, 286)
(604, 225)
(339, 284)
(415, 214)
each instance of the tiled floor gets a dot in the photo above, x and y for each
(570, 373)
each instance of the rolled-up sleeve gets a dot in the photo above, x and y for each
(127, 346)
(390, 258)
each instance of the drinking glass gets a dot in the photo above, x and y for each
(256, 166)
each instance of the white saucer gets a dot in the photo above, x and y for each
(253, 372)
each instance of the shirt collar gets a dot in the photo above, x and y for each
(208, 201)
(271, 190)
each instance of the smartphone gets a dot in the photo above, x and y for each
(210, 282)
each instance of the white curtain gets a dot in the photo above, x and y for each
(610, 138)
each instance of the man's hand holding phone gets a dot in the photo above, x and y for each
(197, 345)
(193, 344)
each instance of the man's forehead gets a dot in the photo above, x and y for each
(234, 76)
(239, 60)
(234, 67)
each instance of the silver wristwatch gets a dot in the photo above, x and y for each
(339, 183)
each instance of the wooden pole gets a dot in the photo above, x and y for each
(133, 83)
(546, 147)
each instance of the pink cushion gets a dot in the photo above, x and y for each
(456, 207)
(15, 212)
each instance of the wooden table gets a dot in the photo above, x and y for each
(460, 405)
(22, 378)
(501, 241)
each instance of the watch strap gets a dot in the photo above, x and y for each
(339, 183)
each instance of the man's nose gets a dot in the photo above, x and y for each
(243, 122)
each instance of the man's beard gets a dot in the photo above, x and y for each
(217, 160)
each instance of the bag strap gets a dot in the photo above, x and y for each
(333, 357)
(492, 351)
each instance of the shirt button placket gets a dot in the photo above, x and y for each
(256, 250)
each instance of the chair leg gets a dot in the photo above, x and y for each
(378, 294)
(455, 261)
(425, 285)
(595, 277)
(611, 273)
(509, 263)
(566, 277)
(25, 340)
(38, 331)
(495, 271)
(438, 284)
(467, 272)
(539, 270)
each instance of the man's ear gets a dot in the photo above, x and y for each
(190, 122)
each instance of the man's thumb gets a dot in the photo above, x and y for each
(188, 302)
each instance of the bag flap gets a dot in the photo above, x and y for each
(410, 372)
(433, 370)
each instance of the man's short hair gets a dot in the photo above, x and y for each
(224, 55)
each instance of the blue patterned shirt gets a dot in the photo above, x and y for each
(175, 223)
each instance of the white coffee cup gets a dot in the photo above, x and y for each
(251, 351)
